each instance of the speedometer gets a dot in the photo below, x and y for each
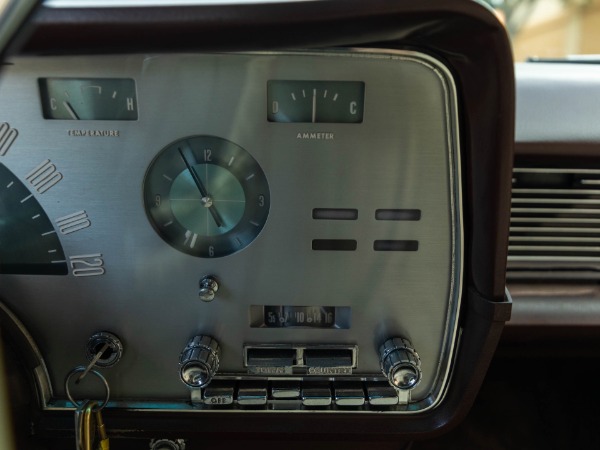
(29, 242)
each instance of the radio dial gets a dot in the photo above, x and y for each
(199, 361)
(400, 363)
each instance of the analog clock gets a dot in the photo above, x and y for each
(206, 196)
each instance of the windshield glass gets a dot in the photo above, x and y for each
(551, 29)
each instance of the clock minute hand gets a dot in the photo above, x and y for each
(206, 200)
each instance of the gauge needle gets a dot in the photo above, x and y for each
(206, 200)
(70, 110)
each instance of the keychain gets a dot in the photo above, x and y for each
(88, 413)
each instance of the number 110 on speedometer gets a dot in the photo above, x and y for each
(315, 101)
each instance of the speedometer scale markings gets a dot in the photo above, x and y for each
(206, 196)
(28, 242)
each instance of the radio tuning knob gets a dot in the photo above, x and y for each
(400, 363)
(199, 361)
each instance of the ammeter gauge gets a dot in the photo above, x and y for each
(315, 101)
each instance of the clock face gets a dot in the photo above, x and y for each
(206, 196)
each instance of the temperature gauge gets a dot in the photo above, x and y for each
(315, 101)
(88, 98)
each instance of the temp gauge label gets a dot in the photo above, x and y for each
(88, 98)
(315, 101)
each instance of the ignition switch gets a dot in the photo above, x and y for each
(107, 343)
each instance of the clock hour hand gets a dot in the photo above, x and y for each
(206, 200)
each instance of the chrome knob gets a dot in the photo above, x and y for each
(208, 288)
(400, 363)
(167, 444)
(199, 361)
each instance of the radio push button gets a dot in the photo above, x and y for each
(219, 393)
(349, 394)
(285, 390)
(316, 395)
(199, 361)
(382, 395)
(252, 393)
(400, 363)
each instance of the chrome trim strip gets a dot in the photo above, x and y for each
(553, 239)
(573, 230)
(575, 271)
(556, 191)
(554, 220)
(556, 211)
(554, 258)
(582, 201)
(553, 248)
(554, 170)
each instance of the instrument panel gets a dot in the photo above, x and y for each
(235, 218)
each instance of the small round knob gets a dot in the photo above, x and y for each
(400, 363)
(208, 288)
(167, 444)
(199, 361)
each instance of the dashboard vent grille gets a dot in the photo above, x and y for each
(555, 221)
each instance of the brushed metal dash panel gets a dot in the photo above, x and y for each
(404, 155)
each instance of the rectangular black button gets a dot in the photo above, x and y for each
(398, 214)
(343, 245)
(396, 246)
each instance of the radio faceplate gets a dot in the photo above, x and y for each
(363, 234)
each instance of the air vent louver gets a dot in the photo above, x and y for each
(555, 221)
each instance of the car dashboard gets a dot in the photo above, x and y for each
(219, 233)
(132, 238)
